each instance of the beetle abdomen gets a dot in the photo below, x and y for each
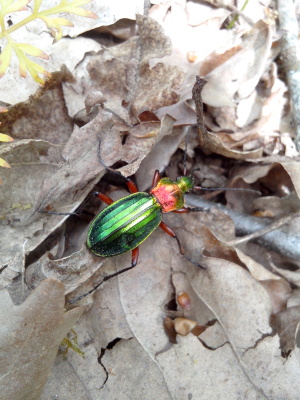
(124, 225)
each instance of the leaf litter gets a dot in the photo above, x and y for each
(137, 96)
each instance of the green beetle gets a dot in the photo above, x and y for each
(126, 223)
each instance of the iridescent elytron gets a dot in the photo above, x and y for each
(126, 223)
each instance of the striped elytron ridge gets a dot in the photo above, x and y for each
(124, 225)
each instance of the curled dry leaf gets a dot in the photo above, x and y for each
(209, 141)
(231, 75)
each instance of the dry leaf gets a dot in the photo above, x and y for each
(30, 341)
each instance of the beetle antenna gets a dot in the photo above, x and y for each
(193, 171)
(106, 166)
(185, 153)
(99, 156)
(214, 189)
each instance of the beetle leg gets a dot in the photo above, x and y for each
(103, 197)
(131, 186)
(170, 232)
(134, 260)
(188, 209)
(156, 178)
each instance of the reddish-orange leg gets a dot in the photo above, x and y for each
(156, 178)
(171, 233)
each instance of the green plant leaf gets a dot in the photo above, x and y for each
(35, 69)
(8, 7)
(25, 64)
(37, 4)
(55, 24)
(72, 7)
(82, 12)
(4, 164)
(5, 58)
(32, 50)
(5, 138)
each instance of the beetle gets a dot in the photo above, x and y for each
(126, 223)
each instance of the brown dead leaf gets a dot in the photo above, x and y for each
(212, 143)
(34, 118)
(294, 299)
(276, 181)
(291, 276)
(238, 76)
(285, 324)
(30, 341)
(273, 206)
(215, 336)
(231, 306)
(279, 291)
(214, 60)
(135, 150)
(278, 288)
(160, 155)
(73, 271)
(123, 73)
(51, 179)
(170, 330)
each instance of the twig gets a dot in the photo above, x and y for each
(257, 229)
(196, 94)
(290, 57)
(267, 229)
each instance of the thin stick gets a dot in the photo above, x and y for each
(290, 57)
(267, 229)
(196, 95)
(185, 153)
